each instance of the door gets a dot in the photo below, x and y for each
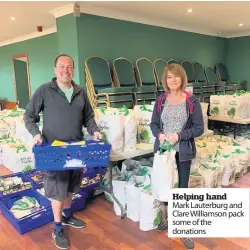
(22, 84)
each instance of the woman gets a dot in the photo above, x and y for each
(177, 118)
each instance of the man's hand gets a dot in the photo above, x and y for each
(172, 138)
(37, 139)
(97, 136)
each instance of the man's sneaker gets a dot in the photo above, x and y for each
(61, 240)
(163, 226)
(188, 243)
(73, 221)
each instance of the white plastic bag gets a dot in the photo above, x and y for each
(237, 107)
(143, 117)
(164, 175)
(240, 156)
(217, 105)
(119, 189)
(130, 126)
(195, 179)
(4, 130)
(112, 129)
(151, 212)
(204, 107)
(211, 172)
(133, 202)
(23, 134)
(228, 176)
(130, 133)
(119, 127)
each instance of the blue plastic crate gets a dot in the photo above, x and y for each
(93, 154)
(23, 177)
(79, 201)
(93, 172)
(30, 174)
(29, 222)
(91, 175)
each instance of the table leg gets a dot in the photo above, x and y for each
(111, 192)
(99, 190)
(223, 128)
(100, 173)
(235, 130)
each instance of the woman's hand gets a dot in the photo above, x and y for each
(172, 138)
(162, 137)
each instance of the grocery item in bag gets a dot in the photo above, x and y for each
(10, 185)
(24, 207)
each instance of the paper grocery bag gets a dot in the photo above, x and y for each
(217, 105)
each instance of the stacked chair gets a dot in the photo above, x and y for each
(222, 76)
(124, 76)
(100, 87)
(172, 61)
(141, 83)
(159, 66)
(207, 87)
(211, 77)
(197, 88)
(147, 84)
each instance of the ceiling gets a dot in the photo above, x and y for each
(207, 17)
(214, 18)
(28, 16)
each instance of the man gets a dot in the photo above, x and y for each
(66, 109)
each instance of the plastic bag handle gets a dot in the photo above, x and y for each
(144, 107)
(165, 146)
